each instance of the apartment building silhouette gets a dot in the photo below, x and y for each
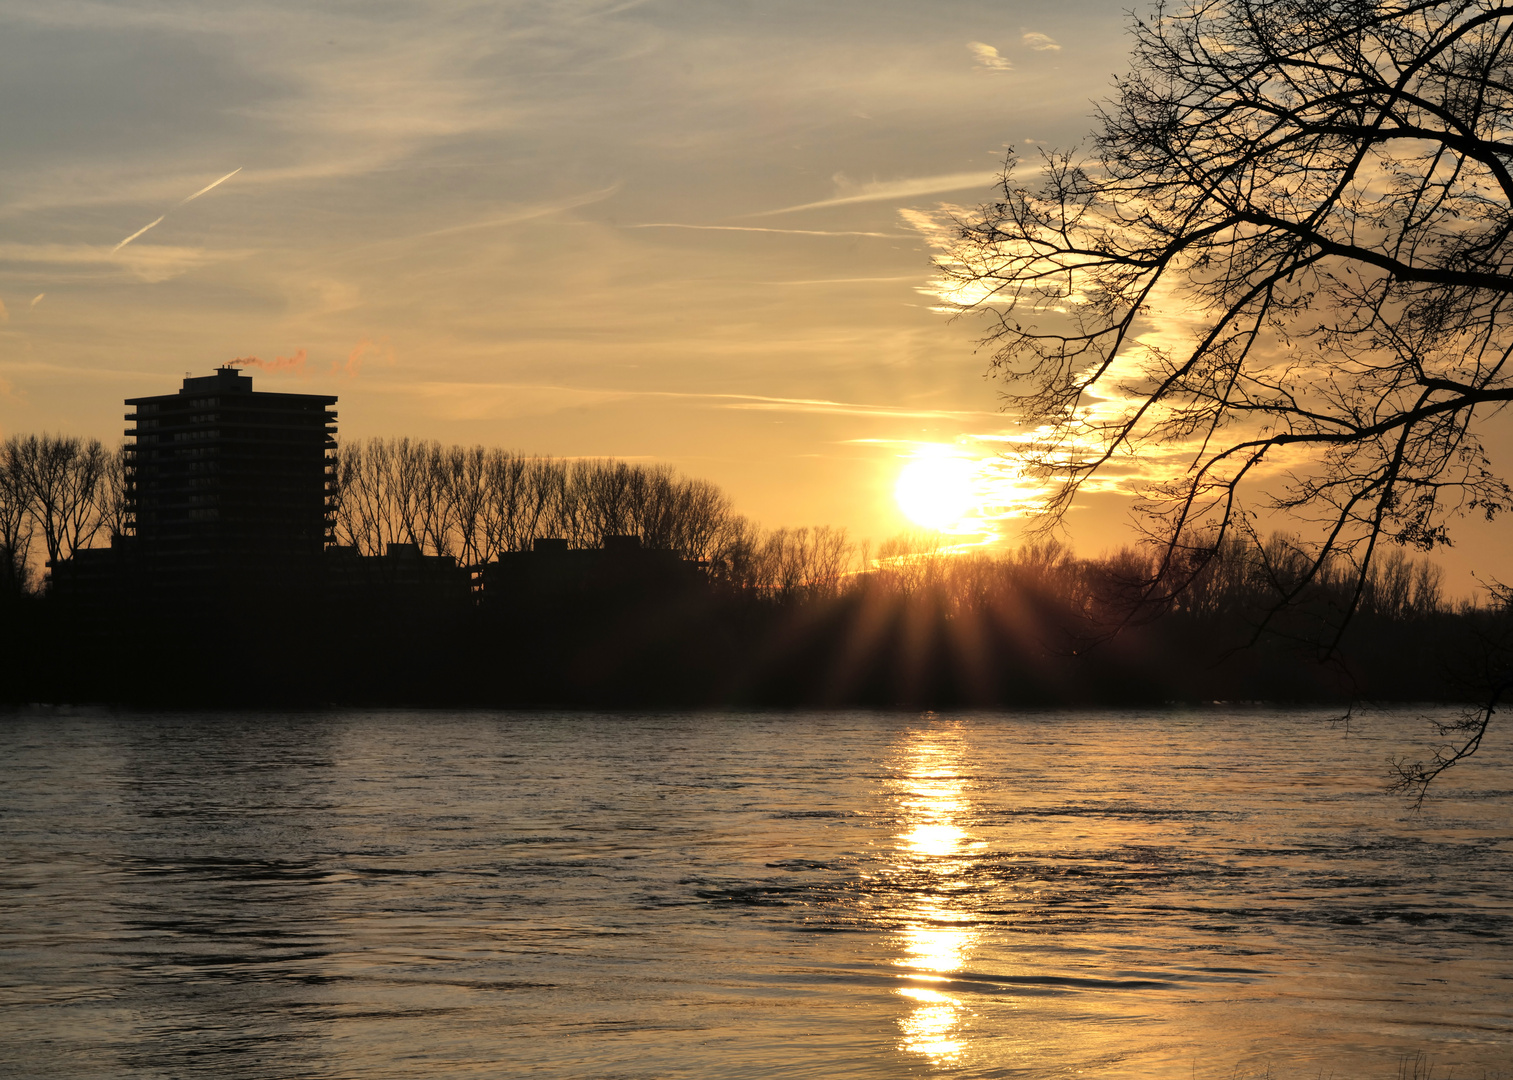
(223, 481)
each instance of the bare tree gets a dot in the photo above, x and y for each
(522, 496)
(803, 563)
(467, 476)
(694, 522)
(473, 503)
(110, 496)
(15, 521)
(61, 478)
(1280, 279)
(430, 482)
(381, 488)
(733, 552)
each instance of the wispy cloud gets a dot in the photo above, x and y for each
(361, 352)
(762, 402)
(935, 226)
(756, 229)
(516, 217)
(842, 280)
(36, 300)
(355, 359)
(528, 213)
(150, 262)
(888, 190)
(1039, 42)
(988, 58)
(840, 408)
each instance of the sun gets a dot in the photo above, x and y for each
(938, 489)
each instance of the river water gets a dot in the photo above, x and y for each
(1218, 893)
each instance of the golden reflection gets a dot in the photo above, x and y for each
(935, 838)
(936, 935)
(929, 1028)
(935, 948)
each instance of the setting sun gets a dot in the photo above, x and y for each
(937, 489)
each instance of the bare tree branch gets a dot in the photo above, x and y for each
(1277, 281)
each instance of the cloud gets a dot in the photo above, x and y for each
(5, 316)
(754, 228)
(836, 408)
(886, 190)
(360, 352)
(988, 58)
(937, 227)
(1039, 42)
(36, 300)
(549, 397)
(354, 360)
(841, 280)
(520, 216)
(150, 263)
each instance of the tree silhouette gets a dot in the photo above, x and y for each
(61, 480)
(15, 522)
(474, 502)
(1280, 278)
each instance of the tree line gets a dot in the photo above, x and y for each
(1244, 580)
(475, 503)
(776, 617)
(60, 494)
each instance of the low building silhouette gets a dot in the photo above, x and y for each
(622, 571)
(402, 578)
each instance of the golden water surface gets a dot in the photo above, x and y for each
(1216, 893)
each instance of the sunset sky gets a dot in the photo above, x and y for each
(694, 232)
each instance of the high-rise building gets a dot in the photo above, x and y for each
(223, 481)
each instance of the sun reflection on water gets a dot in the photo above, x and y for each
(935, 935)
(930, 1028)
(935, 948)
(935, 838)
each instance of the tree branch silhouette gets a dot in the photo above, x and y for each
(1279, 279)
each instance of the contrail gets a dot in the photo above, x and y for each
(176, 205)
(207, 187)
(134, 235)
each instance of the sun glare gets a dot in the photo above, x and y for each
(938, 489)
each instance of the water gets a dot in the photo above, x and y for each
(365, 895)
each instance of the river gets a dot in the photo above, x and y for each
(1226, 892)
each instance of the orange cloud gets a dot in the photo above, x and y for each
(365, 349)
(354, 360)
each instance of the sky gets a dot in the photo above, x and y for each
(691, 232)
